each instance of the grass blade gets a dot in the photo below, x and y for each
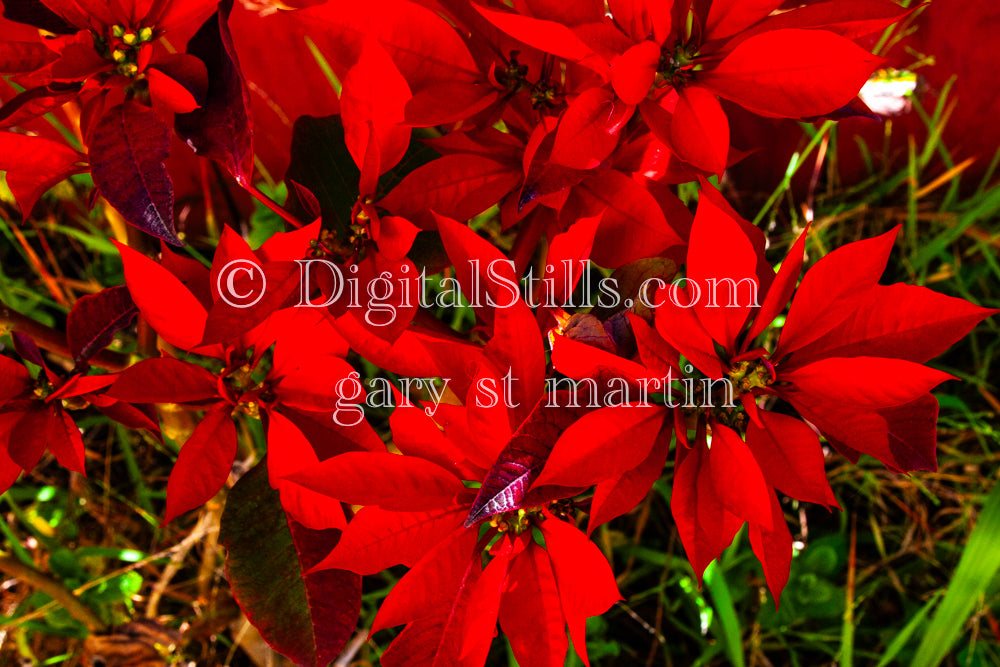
(979, 563)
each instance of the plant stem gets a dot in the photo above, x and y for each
(53, 589)
(266, 201)
(55, 341)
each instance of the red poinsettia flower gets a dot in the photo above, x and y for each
(673, 59)
(109, 57)
(419, 512)
(306, 379)
(102, 45)
(34, 412)
(849, 361)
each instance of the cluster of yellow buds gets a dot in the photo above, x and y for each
(126, 44)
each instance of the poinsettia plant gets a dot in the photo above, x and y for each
(610, 335)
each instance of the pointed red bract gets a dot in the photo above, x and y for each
(34, 164)
(394, 483)
(791, 457)
(203, 465)
(377, 539)
(699, 131)
(792, 73)
(531, 584)
(375, 92)
(833, 288)
(601, 445)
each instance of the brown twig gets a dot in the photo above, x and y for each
(46, 584)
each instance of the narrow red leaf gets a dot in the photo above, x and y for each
(429, 583)
(66, 442)
(699, 131)
(164, 380)
(722, 269)
(318, 384)
(377, 539)
(203, 465)
(18, 57)
(739, 483)
(538, 638)
(548, 36)
(160, 296)
(586, 583)
(615, 497)
(423, 45)
(36, 102)
(832, 289)
(642, 18)
(781, 289)
(633, 225)
(589, 129)
(726, 17)
(632, 73)
(14, 379)
(865, 382)
(791, 457)
(456, 186)
(29, 435)
(848, 18)
(34, 164)
(393, 482)
(375, 92)
(704, 524)
(898, 321)
(773, 549)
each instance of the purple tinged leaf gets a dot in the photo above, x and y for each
(221, 129)
(127, 148)
(521, 461)
(26, 347)
(95, 318)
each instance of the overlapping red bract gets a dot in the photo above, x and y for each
(574, 124)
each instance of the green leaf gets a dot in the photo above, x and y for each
(306, 617)
(322, 163)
